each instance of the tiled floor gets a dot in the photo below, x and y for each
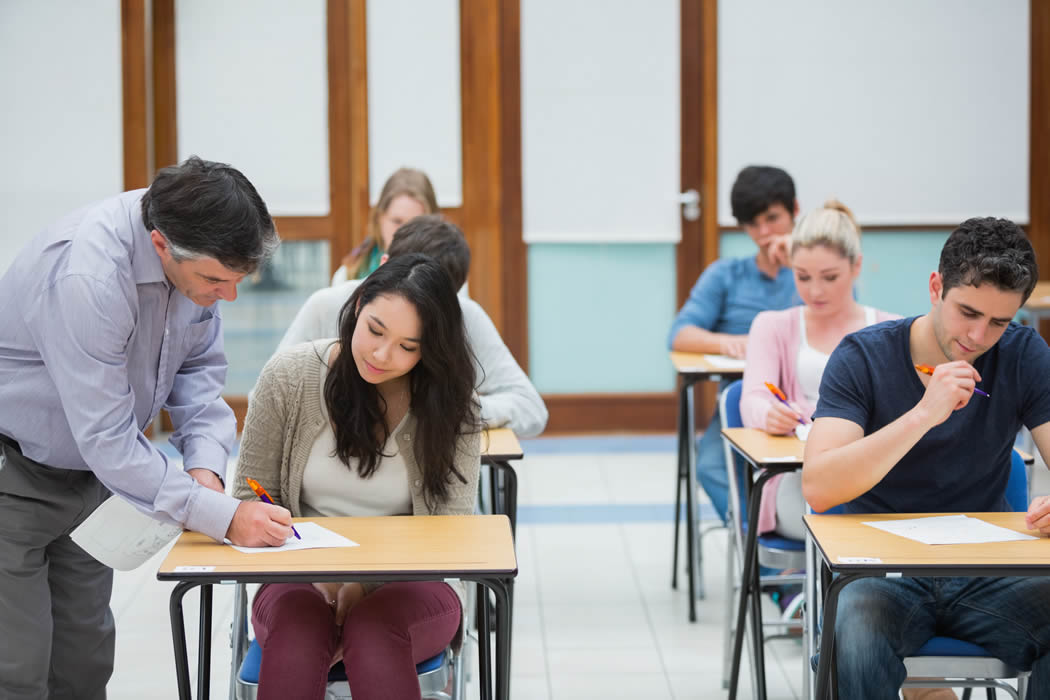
(595, 616)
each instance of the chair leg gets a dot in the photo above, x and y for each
(967, 692)
(732, 591)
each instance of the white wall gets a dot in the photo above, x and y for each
(909, 112)
(60, 126)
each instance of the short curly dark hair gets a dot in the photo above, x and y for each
(989, 250)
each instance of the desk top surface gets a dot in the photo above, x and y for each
(696, 363)
(1040, 298)
(846, 536)
(500, 444)
(763, 448)
(445, 545)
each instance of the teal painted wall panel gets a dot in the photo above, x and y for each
(896, 270)
(599, 315)
(611, 304)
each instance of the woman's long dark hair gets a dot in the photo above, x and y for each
(442, 382)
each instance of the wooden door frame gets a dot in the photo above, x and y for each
(657, 411)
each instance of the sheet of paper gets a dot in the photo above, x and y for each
(313, 537)
(787, 459)
(802, 431)
(122, 537)
(725, 362)
(949, 529)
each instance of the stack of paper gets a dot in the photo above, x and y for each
(313, 537)
(725, 362)
(949, 529)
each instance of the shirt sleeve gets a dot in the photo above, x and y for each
(704, 305)
(508, 398)
(846, 386)
(205, 428)
(81, 326)
(763, 364)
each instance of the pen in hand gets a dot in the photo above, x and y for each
(783, 399)
(261, 493)
(926, 369)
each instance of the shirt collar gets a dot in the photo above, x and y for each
(145, 263)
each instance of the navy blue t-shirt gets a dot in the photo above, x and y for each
(962, 464)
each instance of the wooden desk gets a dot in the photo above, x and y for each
(691, 368)
(1038, 304)
(476, 548)
(836, 536)
(498, 447)
(769, 455)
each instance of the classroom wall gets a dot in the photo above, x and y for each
(60, 125)
(612, 304)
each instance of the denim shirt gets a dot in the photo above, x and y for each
(94, 340)
(730, 293)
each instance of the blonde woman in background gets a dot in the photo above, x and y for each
(790, 348)
(405, 195)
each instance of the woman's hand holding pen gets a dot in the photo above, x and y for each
(257, 524)
(950, 388)
(781, 418)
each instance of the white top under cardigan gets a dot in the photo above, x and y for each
(335, 489)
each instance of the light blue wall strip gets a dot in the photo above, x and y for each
(896, 269)
(598, 317)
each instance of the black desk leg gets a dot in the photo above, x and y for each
(750, 595)
(825, 688)
(178, 637)
(685, 466)
(204, 645)
(484, 655)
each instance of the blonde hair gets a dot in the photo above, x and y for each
(407, 181)
(833, 226)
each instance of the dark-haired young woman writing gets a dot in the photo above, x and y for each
(382, 421)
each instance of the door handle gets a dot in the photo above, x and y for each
(690, 201)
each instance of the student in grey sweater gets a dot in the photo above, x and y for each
(381, 421)
(508, 398)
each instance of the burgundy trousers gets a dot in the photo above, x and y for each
(383, 637)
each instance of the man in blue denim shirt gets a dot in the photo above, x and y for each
(732, 291)
(107, 316)
(887, 439)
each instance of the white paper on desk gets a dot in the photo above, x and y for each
(725, 362)
(949, 529)
(122, 537)
(802, 431)
(313, 537)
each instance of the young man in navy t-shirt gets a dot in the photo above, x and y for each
(888, 439)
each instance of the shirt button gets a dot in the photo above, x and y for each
(417, 482)
(407, 437)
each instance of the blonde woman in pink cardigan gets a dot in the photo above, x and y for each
(789, 348)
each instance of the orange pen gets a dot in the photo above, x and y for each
(261, 493)
(780, 395)
(926, 369)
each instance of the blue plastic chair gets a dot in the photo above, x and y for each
(434, 673)
(968, 665)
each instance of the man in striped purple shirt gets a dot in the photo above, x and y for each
(107, 316)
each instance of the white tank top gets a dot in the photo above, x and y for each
(811, 362)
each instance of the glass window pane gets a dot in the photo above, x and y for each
(265, 306)
(252, 91)
(413, 94)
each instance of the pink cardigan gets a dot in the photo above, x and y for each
(772, 350)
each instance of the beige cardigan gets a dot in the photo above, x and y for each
(284, 419)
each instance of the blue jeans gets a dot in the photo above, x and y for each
(711, 469)
(880, 621)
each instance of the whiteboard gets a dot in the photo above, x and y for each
(909, 112)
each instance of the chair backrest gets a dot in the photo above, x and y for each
(1017, 486)
(729, 405)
